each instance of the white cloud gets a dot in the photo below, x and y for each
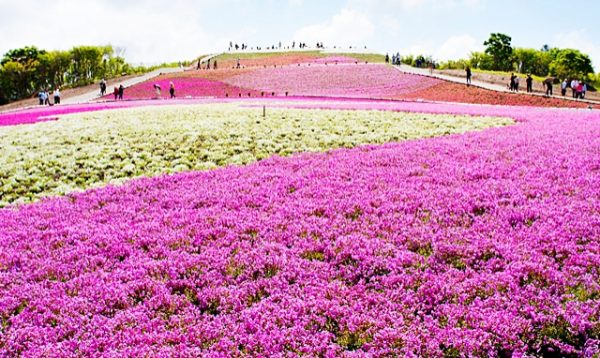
(581, 41)
(348, 28)
(152, 31)
(457, 47)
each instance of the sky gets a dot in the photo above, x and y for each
(153, 31)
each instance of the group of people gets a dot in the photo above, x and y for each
(44, 97)
(396, 59)
(578, 88)
(301, 45)
(118, 92)
(199, 66)
(158, 89)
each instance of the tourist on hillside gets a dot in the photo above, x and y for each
(517, 80)
(208, 64)
(469, 74)
(387, 58)
(584, 87)
(41, 97)
(579, 90)
(512, 82)
(215, 65)
(529, 82)
(238, 63)
(46, 97)
(172, 89)
(102, 87)
(56, 95)
(121, 91)
(398, 59)
(157, 89)
(116, 92)
(574, 84)
(563, 87)
(548, 84)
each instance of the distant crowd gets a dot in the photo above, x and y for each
(44, 97)
(279, 46)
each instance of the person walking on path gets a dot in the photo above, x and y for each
(208, 64)
(121, 91)
(102, 88)
(116, 92)
(548, 83)
(574, 87)
(517, 80)
(468, 71)
(172, 89)
(387, 58)
(512, 82)
(579, 94)
(529, 82)
(41, 97)
(584, 90)
(563, 88)
(56, 96)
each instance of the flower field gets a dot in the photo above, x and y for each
(342, 80)
(480, 244)
(189, 87)
(90, 149)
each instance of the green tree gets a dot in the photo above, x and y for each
(481, 60)
(570, 63)
(499, 47)
(87, 64)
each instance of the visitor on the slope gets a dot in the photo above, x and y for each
(41, 97)
(208, 64)
(584, 90)
(468, 71)
(102, 87)
(46, 97)
(512, 82)
(238, 63)
(116, 92)
(517, 80)
(579, 93)
(563, 87)
(56, 95)
(548, 84)
(387, 58)
(121, 91)
(215, 65)
(574, 87)
(172, 89)
(529, 82)
(157, 89)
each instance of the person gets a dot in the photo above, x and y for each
(238, 63)
(387, 58)
(46, 97)
(398, 59)
(116, 92)
(102, 87)
(574, 87)
(548, 83)
(517, 80)
(512, 82)
(172, 89)
(468, 71)
(198, 65)
(41, 97)
(208, 64)
(563, 88)
(529, 82)
(584, 90)
(215, 65)
(579, 90)
(157, 89)
(121, 91)
(56, 96)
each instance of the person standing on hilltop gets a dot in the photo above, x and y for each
(468, 71)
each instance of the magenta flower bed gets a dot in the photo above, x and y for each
(343, 80)
(188, 86)
(483, 244)
(44, 113)
(335, 59)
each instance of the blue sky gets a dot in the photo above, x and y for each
(153, 31)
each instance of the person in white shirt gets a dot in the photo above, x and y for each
(56, 95)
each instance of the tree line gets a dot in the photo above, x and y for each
(500, 55)
(25, 71)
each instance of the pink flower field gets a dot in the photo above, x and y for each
(189, 87)
(343, 80)
(483, 244)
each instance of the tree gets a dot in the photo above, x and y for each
(571, 63)
(498, 46)
(481, 60)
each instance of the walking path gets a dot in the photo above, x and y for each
(485, 85)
